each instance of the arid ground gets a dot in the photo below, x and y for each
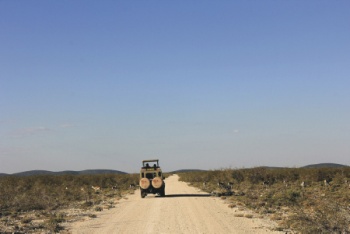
(184, 210)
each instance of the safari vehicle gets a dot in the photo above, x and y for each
(151, 178)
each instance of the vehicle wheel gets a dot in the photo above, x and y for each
(143, 194)
(162, 193)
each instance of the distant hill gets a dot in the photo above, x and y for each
(325, 165)
(185, 170)
(266, 167)
(34, 172)
(107, 171)
(101, 171)
(84, 172)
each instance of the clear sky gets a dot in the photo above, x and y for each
(198, 84)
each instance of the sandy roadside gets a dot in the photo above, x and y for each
(183, 210)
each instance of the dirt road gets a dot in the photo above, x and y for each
(183, 210)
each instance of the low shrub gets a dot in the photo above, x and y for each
(46, 195)
(308, 200)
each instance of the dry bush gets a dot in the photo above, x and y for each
(320, 206)
(53, 223)
(92, 216)
(22, 193)
(47, 194)
(232, 205)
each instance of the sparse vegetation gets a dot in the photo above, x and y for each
(32, 203)
(307, 200)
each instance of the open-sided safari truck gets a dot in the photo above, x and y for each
(151, 178)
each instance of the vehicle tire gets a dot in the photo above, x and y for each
(157, 182)
(143, 194)
(144, 183)
(162, 193)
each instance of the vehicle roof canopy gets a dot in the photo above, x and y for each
(150, 160)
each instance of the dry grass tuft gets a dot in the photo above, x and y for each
(238, 215)
(249, 216)
(276, 217)
(303, 200)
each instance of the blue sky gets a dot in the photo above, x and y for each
(197, 84)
